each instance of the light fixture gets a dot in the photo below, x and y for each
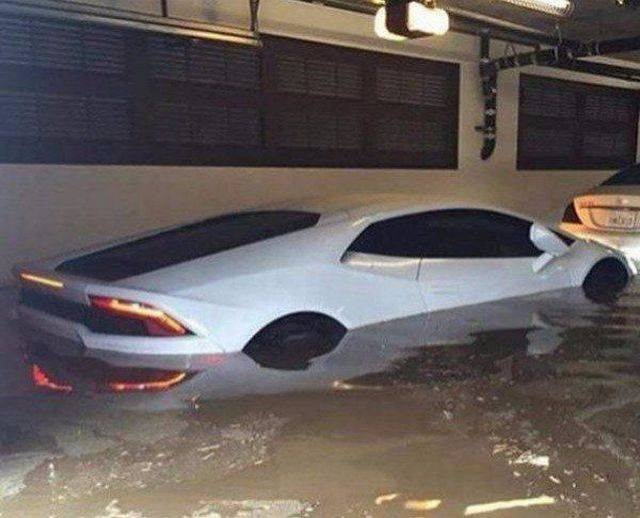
(401, 19)
(560, 8)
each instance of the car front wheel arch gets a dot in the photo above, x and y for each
(606, 280)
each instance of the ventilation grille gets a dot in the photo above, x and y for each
(608, 108)
(63, 117)
(297, 74)
(410, 87)
(62, 46)
(201, 61)
(570, 125)
(318, 130)
(549, 102)
(602, 145)
(206, 125)
(548, 143)
(412, 136)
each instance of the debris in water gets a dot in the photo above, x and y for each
(422, 505)
(491, 507)
(532, 459)
(386, 498)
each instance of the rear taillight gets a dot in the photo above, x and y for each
(43, 380)
(153, 381)
(155, 322)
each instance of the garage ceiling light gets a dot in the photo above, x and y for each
(401, 20)
(553, 7)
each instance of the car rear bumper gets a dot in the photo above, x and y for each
(68, 352)
(626, 243)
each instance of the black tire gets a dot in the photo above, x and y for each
(606, 281)
(293, 341)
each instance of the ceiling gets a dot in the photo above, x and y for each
(591, 19)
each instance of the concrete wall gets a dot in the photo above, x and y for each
(47, 209)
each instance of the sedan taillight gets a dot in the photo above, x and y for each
(155, 321)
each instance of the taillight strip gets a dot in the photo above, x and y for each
(42, 380)
(44, 281)
(148, 385)
(139, 311)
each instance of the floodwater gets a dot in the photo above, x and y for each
(520, 408)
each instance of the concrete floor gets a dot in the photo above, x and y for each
(530, 401)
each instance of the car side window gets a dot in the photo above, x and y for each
(455, 233)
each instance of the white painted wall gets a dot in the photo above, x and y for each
(47, 209)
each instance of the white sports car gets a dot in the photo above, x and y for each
(145, 313)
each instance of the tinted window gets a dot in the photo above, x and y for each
(187, 243)
(459, 233)
(627, 176)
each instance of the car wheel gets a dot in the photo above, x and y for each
(606, 280)
(292, 342)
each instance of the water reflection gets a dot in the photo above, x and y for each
(498, 337)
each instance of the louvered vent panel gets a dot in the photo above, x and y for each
(62, 46)
(571, 125)
(291, 74)
(549, 102)
(15, 41)
(411, 87)
(62, 117)
(608, 108)
(167, 57)
(548, 143)
(208, 64)
(402, 135)
(171, 122)
(243, 127)
(243, 67)
(57, 45)
(109, 119)
(104, 50)
(303, 75)
(319, 131)
(19, 115)
(603, 145)
(220, 126)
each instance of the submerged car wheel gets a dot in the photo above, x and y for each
(291, 342)
(606, 280)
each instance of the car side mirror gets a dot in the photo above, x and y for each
(547, 241)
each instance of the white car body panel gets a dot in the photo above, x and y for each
(226, 298)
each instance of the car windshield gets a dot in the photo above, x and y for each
(186, 243)
(627, 176)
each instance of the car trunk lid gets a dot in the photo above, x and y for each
(612, 211)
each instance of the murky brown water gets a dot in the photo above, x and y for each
(534, 401)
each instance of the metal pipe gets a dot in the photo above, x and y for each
(602, 69)
(490, 93)
(563, 54)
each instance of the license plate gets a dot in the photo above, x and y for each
(622, 220)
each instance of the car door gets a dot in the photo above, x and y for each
(384, 273)
(472, 256)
